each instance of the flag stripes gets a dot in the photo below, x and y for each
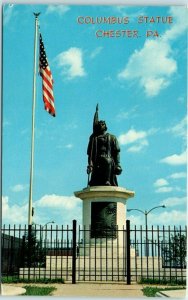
(47, 80)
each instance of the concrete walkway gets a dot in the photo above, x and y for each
(172, 294)
(10, 290)
(82, 289)
(111, 290)
(99, 290)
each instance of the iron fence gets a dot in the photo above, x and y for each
(160, 253)
(74, 253)
(33, 252)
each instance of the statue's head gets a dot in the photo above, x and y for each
(100, 127)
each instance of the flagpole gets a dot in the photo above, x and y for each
(33, 122)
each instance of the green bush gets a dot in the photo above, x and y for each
(38, 291)
(151, 291)
(37, 280)
(172, 281)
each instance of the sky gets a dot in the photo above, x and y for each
(138, 78)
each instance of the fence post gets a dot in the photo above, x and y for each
(74, 252)
(128, 245)
(22, 255)
(29, 250)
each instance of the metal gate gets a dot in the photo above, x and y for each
(104, 258)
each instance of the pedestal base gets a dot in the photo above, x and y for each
(104, 211)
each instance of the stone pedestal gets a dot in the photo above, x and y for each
(103, 207)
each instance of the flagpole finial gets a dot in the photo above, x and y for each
(36, 14)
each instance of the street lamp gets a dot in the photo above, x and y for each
(45, 226)
(146, 212)
(41, 230)
(51, 222)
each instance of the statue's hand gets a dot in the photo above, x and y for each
(118, 169)
(89, 169)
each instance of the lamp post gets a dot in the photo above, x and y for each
(51, 222)
(41, 228)
(44, 224)
(146, 212)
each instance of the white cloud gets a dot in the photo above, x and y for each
(6, 123)
(173, 218)
(162, 186)
(174, 201)
(180, 23)
(153, 66)
(123, 115)
(178, 175)
(59, 9)
(14, 214)
(131, 136)
(55, 201)
(180, 129)
(61, 209)
(166, 218)
(140, 145)
(175, 159)
(19, 187)
(135, 220)
(131, 11)
(24, 131)
(96, 52)
(8, 12)
(138, 138)
(164, 189)
(69, 146)
(71, 62)
(161, 182)
(181, 99)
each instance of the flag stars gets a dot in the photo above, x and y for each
(43, 59)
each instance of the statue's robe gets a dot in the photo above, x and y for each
(103, 155)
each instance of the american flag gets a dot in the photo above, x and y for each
(47, 80)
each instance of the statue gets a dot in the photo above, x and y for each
(103, 155)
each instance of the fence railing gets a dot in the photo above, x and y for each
(75, 254)
(160, 253)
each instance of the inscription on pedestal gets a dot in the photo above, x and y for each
(103, 220)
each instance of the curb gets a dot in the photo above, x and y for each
(160, 294)
(177, 294)
(10, 290)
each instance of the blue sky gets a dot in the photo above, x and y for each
(140, 85)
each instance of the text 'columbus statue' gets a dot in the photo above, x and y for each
(103, 155)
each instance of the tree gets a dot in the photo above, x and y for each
(33, 254)
(174, 251)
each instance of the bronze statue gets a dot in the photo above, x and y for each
(103, 155)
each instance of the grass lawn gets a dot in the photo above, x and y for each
(16, 279)
(150, 291)
(38, 291)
